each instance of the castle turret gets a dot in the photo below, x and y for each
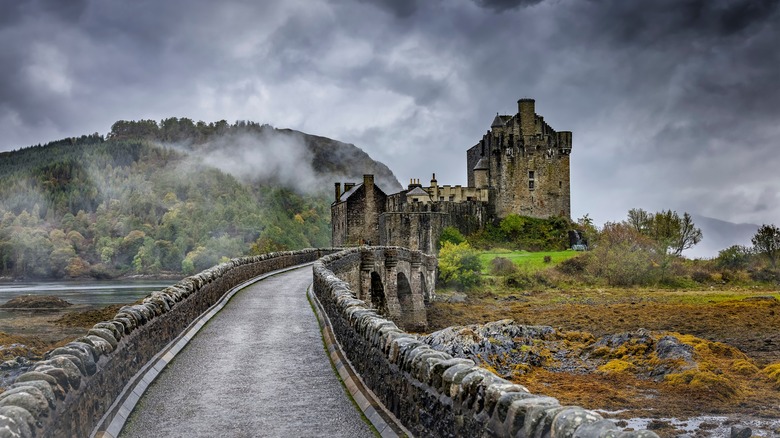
(481, 173)
(564, 141)
(497, 122)
(526, 108)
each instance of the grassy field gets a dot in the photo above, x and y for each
(531, 261)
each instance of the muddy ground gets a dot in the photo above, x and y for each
(746, 319)
(28, 334)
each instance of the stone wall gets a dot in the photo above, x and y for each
(432, 393)
(418, 226)
(67, 393)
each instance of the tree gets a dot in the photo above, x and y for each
(640, 220)
(688, 235)
(673, 234)
(766, 241)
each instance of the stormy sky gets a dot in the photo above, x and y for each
(673, 103)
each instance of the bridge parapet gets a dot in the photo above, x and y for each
(72, 392)
(429, 391)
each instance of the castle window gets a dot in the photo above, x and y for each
(530, 184)
(560, 184)
(530, 174)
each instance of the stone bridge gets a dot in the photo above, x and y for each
(234, 351)
(396, 282)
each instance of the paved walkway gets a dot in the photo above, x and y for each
(258, 368)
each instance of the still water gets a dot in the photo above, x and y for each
(95, 293)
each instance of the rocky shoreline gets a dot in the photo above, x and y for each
(665, 361)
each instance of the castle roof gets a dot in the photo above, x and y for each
(417, 191)
(348, 193)
(497, 122)
(482, 164)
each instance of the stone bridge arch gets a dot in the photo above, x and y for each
(397, 283)
(376, 294)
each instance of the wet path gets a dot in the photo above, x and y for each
(257, 368)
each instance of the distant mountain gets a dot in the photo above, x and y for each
(172, 197)
(719, 235)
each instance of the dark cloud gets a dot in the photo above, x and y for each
(665, 98)
(503, 5)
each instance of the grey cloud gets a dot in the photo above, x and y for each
(399, 8)
(664, 97)
(503, 5)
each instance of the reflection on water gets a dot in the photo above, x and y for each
(97, 293)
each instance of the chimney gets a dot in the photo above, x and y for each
(338, 191)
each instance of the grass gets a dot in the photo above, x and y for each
(532, 261)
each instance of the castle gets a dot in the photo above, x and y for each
(520, 166)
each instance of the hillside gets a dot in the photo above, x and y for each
(719, 235)
(173, 197)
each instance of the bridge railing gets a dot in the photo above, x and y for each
(72, 391)
(431, 392)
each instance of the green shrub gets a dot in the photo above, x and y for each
(459, 265)
(502, 266)
(452, 235)
(575, 265)
(734, 257)
(701, 277)
(521, 280)
(766, 275)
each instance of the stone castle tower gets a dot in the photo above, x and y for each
(525, 165)
(521, 166)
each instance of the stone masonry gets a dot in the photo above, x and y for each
(521, 166)
(429, 391)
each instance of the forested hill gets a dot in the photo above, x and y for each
(172, 197)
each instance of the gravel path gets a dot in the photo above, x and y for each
(258, 368)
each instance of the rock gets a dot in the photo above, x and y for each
(741, 432)
(35, 377)
(28, 398)
(15, 421)
(570, 419)
(601, 428)
(105, 334)
(116, 332)
(102, 346)
(670, 347)
(504, 339)
(66, 372)
(86, 362)
(457, 297)
(42, 302)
